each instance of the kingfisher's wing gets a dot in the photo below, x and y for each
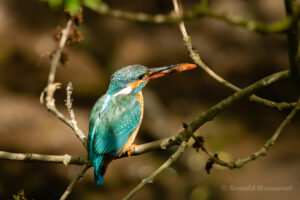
(111, 126)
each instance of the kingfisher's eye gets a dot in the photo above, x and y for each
(141, 77)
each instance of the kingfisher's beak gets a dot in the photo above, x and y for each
(162, 71)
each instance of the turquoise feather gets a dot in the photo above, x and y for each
(113, 119)
(116, 116)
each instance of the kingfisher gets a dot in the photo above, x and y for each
(116, 116)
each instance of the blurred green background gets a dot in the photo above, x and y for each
(26, 41)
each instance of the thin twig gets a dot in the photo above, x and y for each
(77, 131)
(57, 54)
(281, 26)
(32, 157)
(179, 12)
(261, 152)
(151, 178)
(52, 87)
(74, 182)
(199, 11)
(196, 58)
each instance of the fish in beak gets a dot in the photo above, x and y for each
(166, 70)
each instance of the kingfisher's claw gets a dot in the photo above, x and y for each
(130, 150)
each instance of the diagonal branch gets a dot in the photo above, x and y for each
(208, 115)
(196, 58)
(151, 178)
(74, 182)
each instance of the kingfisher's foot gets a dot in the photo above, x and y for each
(130, 150)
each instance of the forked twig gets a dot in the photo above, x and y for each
(261, 152)
(52, 87)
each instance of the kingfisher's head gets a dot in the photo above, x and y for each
(133, 78)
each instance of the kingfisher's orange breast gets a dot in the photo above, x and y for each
(136, 130)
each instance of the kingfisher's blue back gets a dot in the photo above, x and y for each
(112, 122)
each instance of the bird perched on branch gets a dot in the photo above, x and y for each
(116, 117)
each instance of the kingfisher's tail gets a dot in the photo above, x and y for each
(99, 169)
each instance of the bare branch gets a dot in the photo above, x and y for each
(196, 58)
(261, 152)
(281, 26)
(151, 178)
(57, 54)
(179, 12)
(32, 157)
(74, 182)
(199, 11)
(52, 87)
